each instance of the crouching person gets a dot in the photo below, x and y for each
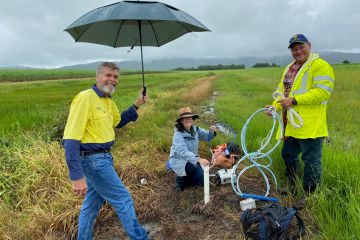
(184, 157)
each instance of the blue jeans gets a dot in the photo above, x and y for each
(105, 185)
(194, 176)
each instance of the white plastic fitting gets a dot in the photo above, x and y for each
(248, 203)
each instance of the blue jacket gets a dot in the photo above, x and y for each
(185, 147)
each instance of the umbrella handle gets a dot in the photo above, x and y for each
(144, 90)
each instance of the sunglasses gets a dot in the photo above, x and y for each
(236, 157)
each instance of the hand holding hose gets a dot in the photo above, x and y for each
(287, 103)
(268, 110)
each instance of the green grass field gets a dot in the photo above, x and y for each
(335, 207)
(22, 75)
(35, 195)
(26, 75)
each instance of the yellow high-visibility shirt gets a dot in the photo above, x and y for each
(92, 119)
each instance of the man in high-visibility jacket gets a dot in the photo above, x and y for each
(307, 84)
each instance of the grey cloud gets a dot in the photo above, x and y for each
(31, 32)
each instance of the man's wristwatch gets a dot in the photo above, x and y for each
(294, 102)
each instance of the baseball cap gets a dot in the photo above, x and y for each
(298, 38)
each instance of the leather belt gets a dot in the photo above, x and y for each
(87, 153)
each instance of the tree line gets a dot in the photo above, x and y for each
(211, 67)
(259, 65)
(223, 67)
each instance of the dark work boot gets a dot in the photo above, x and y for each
(180, 183)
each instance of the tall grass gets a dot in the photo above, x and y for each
(22, 75)
(36, 200)
(335, 206)
(26, 75)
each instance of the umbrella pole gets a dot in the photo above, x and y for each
(142, 60)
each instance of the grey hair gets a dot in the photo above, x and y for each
(111, 65)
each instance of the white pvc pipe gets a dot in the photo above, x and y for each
(206, 184)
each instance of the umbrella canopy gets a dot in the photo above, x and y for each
(116, 25)
(134, 23)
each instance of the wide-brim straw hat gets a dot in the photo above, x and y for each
(186, 112)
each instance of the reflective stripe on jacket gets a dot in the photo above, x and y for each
(312, 89)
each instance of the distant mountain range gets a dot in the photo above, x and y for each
(172, 63)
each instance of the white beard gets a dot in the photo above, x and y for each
(106, 90)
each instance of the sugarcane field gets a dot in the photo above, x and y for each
(179, 120)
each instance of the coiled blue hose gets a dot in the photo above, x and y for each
(254, 157)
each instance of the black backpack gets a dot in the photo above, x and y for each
(271, 222)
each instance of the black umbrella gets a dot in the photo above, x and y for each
(134, 23)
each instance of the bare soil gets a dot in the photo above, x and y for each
(168, 214)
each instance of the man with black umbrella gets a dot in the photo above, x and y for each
(88, 138)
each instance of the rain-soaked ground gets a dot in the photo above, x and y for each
(185, 216)
(168, 214)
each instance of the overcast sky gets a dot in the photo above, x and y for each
(31, 32)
